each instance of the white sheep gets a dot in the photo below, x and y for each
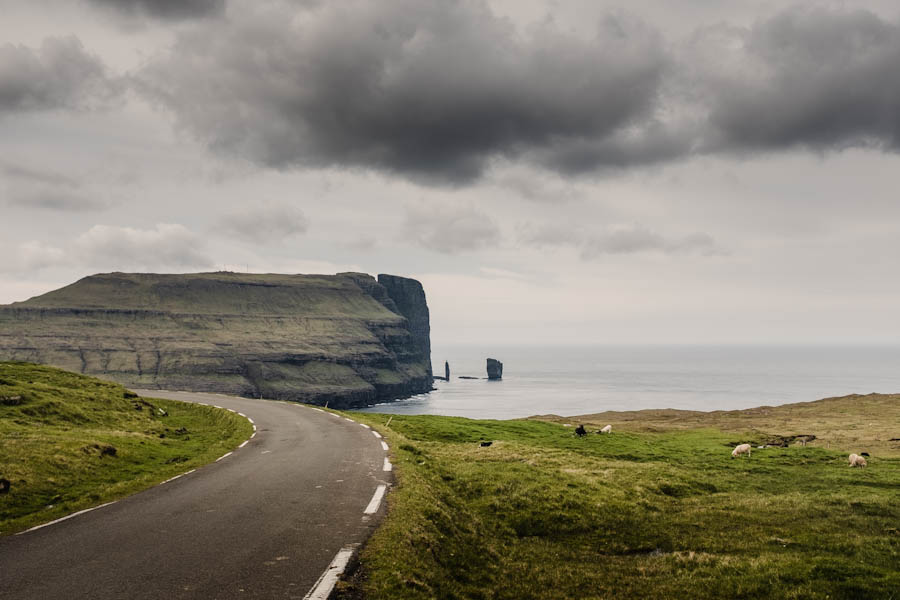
(607, 429)
(857, 461)
(741, 449)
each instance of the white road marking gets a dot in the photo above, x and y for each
(249, 419)
(385, 446)
(376, 434)
(364, 425)
(242, 414)
(253, 436)
(387, 465)
(254, 428)
(351, 420)
(230, 410)
(61, 519)
(216, 406)
(335, 415)
(243, 444)
(172, 478)
(323, 587)
(223, 456)
(191, 471)
(318, 409)
(375, 502)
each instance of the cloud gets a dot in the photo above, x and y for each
(58, 75)
(33, 188)
(265, 223)
(165, 9)
(439, 92)
(824, 80)
(35, 255)
(450, 229)
(428, 89)
(167, 245)
(634, 239)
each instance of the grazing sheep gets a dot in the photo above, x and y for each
(607, 429)
(486, 444)
(857, 461)
(741, 449)
(580, 431)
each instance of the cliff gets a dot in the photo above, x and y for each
(344, 339)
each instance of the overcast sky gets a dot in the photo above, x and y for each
(568, 171)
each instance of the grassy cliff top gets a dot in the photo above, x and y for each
(656, 509)
(219, 293)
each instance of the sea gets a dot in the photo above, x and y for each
(569, 381)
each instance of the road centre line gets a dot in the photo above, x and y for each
(321, 590)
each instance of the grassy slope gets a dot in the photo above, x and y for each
(648, 512)
(52, 438)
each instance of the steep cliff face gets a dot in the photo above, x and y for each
(344, 339)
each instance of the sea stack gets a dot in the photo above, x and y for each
(494, 369)
(446, 370)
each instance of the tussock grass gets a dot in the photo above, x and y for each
(637, 514)
(69, 442)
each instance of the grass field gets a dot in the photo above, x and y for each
(69, 442)
(657, 509)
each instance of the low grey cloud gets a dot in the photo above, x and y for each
(594, 243)
(112, 248)
(438, 91)
(58, 75)
(450, 229)
(164, 246)
(429, 89)
(165, 9)
(34, 188)
(265, 223)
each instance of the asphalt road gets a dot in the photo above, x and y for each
(265, 522)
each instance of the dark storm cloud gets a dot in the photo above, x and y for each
(58, 75)
(813, 78)
(425, 88)
(436, 91)
(165, 9)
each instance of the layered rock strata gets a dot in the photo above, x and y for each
(347, 340)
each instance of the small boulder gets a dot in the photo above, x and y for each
(4, 485)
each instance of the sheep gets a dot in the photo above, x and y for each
(857, 461)
(607, 429)
(741, 449)
(580, 431)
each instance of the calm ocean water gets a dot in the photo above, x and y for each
(580, 380)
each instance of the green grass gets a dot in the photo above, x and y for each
(635, 514)
(58, 429)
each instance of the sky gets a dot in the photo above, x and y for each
(553, 172)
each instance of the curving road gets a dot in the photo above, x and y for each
(264, 522)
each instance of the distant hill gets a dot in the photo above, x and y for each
(345, 339)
